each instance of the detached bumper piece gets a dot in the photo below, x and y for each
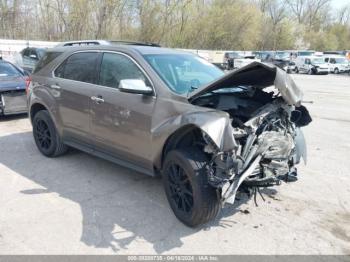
(13, 102)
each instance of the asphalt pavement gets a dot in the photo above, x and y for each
(80, 204)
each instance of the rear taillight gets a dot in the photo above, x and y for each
(28, 80)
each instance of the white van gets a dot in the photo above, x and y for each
(311, 65)
(337, 64)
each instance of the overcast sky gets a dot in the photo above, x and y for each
(340, 3)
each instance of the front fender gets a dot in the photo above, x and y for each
(215, 124)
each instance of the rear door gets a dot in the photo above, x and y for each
(74, 85)
(121, 122)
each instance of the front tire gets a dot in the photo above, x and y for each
(46, 137)
(192, 199)
(336, 71)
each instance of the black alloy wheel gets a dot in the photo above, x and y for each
(43, 134)
(185, 177)
(180, 188)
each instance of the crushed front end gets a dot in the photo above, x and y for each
(265, 123)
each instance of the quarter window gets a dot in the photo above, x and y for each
(116, 67)
(46, 59)
(79, 67)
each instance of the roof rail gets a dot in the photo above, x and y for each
(121, 42)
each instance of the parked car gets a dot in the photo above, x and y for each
(170, 113)
(311, 65)
(264, 55)
(305, 53)
(229, 58)
(31, 56)
(244, 60)
(337, 64)
(13, 84)
(282, 60)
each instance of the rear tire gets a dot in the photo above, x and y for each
(192, 199)
(46, 137)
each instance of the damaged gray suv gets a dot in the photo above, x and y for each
(164, 112)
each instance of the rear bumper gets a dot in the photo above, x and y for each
(13, 103)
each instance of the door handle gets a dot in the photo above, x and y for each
(55, 86)
(97, 99)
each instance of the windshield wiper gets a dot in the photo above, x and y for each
(192, 88)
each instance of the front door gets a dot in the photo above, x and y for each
(121, 122)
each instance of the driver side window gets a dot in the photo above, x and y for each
(116, 67)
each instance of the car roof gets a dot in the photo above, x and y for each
(143, 50)
(92, 42)
(333, 56)
(309, 56)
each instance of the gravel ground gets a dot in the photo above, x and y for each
(79, 204)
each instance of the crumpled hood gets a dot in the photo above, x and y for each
(259, 75)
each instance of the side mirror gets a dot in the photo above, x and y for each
(135, 86)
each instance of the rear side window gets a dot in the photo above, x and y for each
(116, 67)
(47, 58)
(79, 67)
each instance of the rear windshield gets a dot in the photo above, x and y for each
(7, 69)
(46, 59)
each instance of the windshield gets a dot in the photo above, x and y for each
(234, 55)
(183, 73)
(341, 60)
(282, 56)
(8, 70)
(317, 61)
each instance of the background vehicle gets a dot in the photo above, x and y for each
(229, 59)
(162, 111)
(337, 64)
(305, 53)
(31, 56)
(244, 60)
(282, 60)
(264, 55)
(311, 65)
(13, 83)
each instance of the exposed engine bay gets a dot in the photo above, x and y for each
(268, 139)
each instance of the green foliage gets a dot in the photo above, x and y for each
(197, 24)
